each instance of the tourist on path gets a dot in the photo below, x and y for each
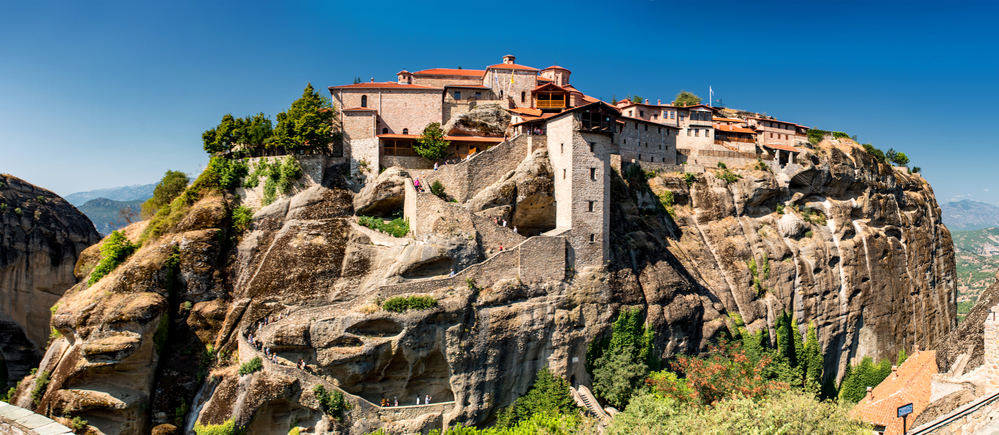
(427, 401)
(452, 273)
(396, 401)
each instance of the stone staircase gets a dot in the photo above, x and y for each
(585, 399)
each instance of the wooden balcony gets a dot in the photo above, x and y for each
(551, 104)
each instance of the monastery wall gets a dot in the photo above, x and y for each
(523, 83)
(647, 142)
(590, 235)
(559, 135)
(463, 180)
(440, 81)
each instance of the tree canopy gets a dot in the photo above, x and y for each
(171, 186)
(685, 98)
(431, 144)
(620, 364)
(549, 395)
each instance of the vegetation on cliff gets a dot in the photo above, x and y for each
(172, 185)
(114, 252)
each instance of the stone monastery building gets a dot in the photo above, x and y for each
(585, 137)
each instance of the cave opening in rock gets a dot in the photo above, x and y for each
(376, 328)
(435, 267)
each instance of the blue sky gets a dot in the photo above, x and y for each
(104, 94)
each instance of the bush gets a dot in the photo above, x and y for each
(170, 186)
(398, 227)
(779, 209)
(437, 189)
(41, 383)
(690, 178)
(253, 365)
(114, 252)
(241, 218)
(3, 208)
(809, 234)
(549, 395)
(878, 155)
(815, 135)
(400, 304)
(17, 211)
(728, 176)
(6, 397)
(431, 144)
(858, 377)
(332, 403)
(840, 135)
(78, 424)
(722, 165)
(620, 365)
(227, 428)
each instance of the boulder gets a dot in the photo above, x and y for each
(525, 197)
(487, 120)
(383, 196)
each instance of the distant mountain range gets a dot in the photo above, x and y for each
(969, 215)
(104, 213)
(126, 193)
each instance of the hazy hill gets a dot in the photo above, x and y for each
(104, 213)
(977, 256)
(969, 215)
(124, 193)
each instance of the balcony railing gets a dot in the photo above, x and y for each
(551, 104)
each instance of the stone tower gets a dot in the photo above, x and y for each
(557, 74)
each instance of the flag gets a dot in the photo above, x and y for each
(511, 77)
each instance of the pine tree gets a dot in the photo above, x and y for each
(813, 360)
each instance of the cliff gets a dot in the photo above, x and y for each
(155, 346)
(41, 237)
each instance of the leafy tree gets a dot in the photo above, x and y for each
(685, 98)
(636, 99)
(876, 153)
(357, 79)
(431, 144)
(620, 367)
(858, 377)
(114, 252)
(333, 403)
(896, 158)
(308, 123)
(251, 131)
(901, 357)
(170, 187)
(549, 395)
(613, 99)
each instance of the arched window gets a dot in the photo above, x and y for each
(364, 101)
(384, 130)
(523, 96)
(405, 131)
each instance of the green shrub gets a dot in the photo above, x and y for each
(620, 365)
(779, 209)
(78, 424)
(227, 428)
(400, 304)
(253, 365)
(114, 252)
(398, 227)
(170, 186)
(40, 199)
(878, 155)
(6, 397)
(858, 377)
(3, 186)
(17, 211)
(332, 403)
(3, 208)
(690, 178)
(915, 170)
(840, 135)
(437, 189)
(728, 176)
(815, 135)
(549, 395)
(722, 165)
(241, 218)
(41, 383)
(809, 234)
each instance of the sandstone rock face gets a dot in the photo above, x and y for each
(524, 197)
(868, 262)
(385, 195)
(487, 120)
(38, 249)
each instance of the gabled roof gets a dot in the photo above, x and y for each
(733, 129)
(781, 147)
(385, 85)
(776, 120)
(526, 111)
(551, 86)
(911, 383)
(511, 66)
(451, 72)
(557, 67)
(728, 119)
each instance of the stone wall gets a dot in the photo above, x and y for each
(524, 81)
(646, 141)
(439, 81)
(313, 168)
(711, 158)
(978, 417)
(397, 108)
(463, 180)
(991, 354)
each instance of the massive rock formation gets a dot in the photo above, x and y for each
(486, 120)
(41, 236)
(157, 344)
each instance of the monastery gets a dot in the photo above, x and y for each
(586, 138)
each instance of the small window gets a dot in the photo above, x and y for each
(660, 146)
(501, 93)
(593, 238)
(641, 113)
(593, 174)
(636, 126)
(457, 95)
(561, 148)
(364, 101)
(697, 132)
(523, 96)
(478, 95)
(563, 174)
(384, 131)
(660, 130)
(688, 132)
(590, 205)
(593, 147)
(631, 113)
(405, 131)
(646, 128)
(639, 157)
(672, 115)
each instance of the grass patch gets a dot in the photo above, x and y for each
(727, 175)
(41, 384)
(400, 304)
(227, 428)
(114, 252)
(690, 178)
(397, 227)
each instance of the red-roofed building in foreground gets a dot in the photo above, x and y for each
(908, 383)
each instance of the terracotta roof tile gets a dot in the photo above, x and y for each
(782, 147)
(910, 384)
(526, 111)
(557, 67)
(384, 85)
(451, 72)
(511, 66)
(733, 129)
(729, 119)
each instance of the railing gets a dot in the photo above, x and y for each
(551, 104)
(733, 139)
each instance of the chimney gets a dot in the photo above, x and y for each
(508, 59)
(372, 80)
(659, 102)
(915, 349)
(870, 394)
(646, 101)
(894, 371)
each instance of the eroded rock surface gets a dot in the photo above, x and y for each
(485, 120)
(41, 237)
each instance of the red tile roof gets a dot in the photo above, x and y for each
(384, 85)
(451, 72)
(781, 147)
(557, 67)
(775, 120)
(910, 384)
(526, 111)
(734, 129)
(511, 66)
(728, 119)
